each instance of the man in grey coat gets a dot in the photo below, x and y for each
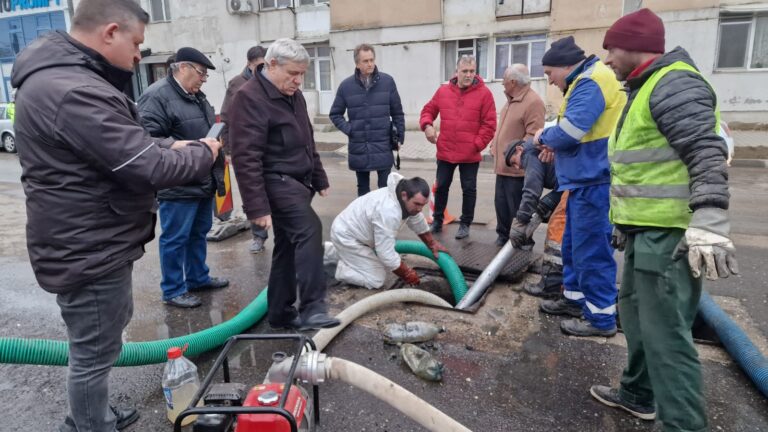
(90, 172)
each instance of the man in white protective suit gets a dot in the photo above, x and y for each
(363, 234)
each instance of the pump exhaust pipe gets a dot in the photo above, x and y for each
(487, 277)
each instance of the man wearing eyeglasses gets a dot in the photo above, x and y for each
(175, 107)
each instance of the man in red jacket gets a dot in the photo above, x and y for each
(467, 125)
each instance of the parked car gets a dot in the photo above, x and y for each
(7, 137)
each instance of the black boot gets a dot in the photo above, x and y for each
(540, 289)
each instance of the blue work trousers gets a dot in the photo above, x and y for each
(183, 248)
(589, 270)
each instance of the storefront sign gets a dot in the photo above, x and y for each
(20, 5)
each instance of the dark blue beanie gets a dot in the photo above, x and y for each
(563, 52)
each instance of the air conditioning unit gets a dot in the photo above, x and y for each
(237, 7)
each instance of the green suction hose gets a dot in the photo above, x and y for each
(445, 262)
(55, 353)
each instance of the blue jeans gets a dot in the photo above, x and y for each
(183, 248)
(589, 270)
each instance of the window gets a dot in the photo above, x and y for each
(521, 7)
(527, 50)
(161, 10)
(631, 6)
(318, 76)
(312, 2)
(452, 50)
(17, 35)
(743, 42)
(275, 4)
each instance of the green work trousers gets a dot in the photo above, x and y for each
(658, 301)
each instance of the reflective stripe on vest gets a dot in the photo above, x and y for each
(614, 99)
(649, 181)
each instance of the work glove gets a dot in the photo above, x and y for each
(407, 274)
(618, 239)
(547, 205)
(435, 246)
(520, 233)
(707, 245)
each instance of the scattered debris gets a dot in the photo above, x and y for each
(416, 331)
(422, 363)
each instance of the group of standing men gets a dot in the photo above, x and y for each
(653, 166)
(641, 167)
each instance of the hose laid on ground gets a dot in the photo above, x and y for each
(396, 396)
(362, 307)
(55, 353)
(736, 342)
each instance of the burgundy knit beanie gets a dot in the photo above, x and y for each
(641, 31)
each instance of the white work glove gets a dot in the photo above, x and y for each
(707, 245)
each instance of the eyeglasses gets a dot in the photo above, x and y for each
(202, 74)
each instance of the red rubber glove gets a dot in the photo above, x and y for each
(407, 274)
(433, 245)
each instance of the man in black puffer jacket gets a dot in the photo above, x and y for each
(372, 104)
(175, 107)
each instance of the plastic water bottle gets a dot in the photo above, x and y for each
(180, 383)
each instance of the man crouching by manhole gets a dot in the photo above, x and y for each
(363, 235)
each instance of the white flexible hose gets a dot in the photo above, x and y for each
(391, 393)
(325, 336)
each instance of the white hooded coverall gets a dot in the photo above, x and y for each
(364, 233)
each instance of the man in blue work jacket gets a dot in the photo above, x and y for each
(593, 102)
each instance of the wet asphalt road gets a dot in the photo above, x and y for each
(508, 368)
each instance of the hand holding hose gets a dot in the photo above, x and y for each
(435, 246)
(407, 274)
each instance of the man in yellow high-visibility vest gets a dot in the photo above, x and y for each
(669, 202)
(592, 104)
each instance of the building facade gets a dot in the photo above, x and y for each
(418, 42)
(21, 22)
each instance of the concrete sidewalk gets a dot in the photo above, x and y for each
(415, 147)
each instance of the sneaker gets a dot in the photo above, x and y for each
(539, 290)
(611, 397)
(125, 417)
(561, 306)
(436, 227)
(463, 232)
(501, 241)
(318, 321)
(213, 283)
(581, 327)
(185, 300)
(257, 246)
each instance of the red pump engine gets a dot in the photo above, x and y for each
(268, 395)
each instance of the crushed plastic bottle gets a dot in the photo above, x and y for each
(422, 363)
(416, 331)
